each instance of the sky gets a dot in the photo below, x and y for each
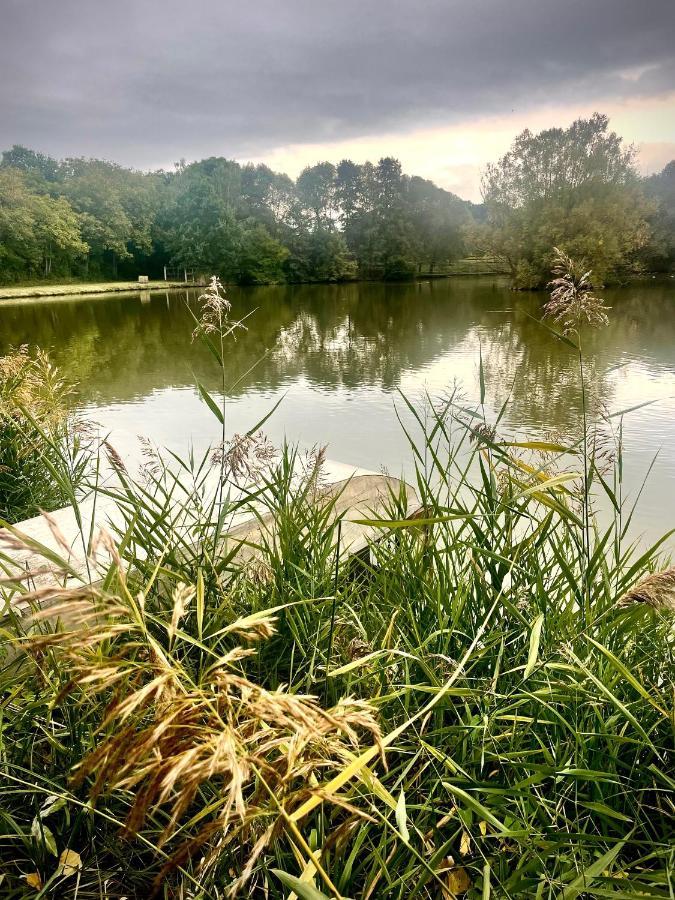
(444, 85)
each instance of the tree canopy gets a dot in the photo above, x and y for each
(247, 223)
(574, 188)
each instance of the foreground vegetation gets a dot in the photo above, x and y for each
(481, 708)
(575, 188)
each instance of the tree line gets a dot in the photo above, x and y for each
(92, 218)
(574, 188)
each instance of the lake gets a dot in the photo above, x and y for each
(340, 354)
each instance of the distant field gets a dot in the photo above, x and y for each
(100, 287)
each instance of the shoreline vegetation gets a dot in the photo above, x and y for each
(576, 188)
(19, 292)
(462, 267)
(480, 706)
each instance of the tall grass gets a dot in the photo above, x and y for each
(481, 707)
(44, 450)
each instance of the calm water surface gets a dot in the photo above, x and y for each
(339, 355)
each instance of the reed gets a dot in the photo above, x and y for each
(44, 448)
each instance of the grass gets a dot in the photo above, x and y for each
(99, 287)
(481, 708)
(44, 449)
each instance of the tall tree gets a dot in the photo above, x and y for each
(31, 162)
(116, 207)
(660, 189)
(573, 188)
(39, 234)
(315, 190)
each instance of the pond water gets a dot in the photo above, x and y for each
(339, 354)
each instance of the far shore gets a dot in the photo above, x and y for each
(99, 287)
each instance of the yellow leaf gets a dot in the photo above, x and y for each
(69, 863)
(483, 827)
(34, 880)
(457, 882)
(465, 844)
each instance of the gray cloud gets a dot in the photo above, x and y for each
(144, 81)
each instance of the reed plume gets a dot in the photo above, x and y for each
(572, 301)
(657, 590)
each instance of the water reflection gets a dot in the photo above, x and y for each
(342, 351)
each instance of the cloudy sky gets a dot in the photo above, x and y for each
(442, 84)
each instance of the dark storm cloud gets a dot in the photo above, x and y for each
(144, 81)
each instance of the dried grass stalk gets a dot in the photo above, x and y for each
(658, 590)
(178, 744)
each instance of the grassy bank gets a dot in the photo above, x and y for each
(99, 287)
(480, 707)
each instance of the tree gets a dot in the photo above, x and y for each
(573, 188)
(116, 205)
(315, 189)
(200, 216)
(350, 192)
(39, 234)
(245, 223)
(266, 195)
(660, 189)
(261, 256)
(31, 162)
(438, 219)
(320, 256)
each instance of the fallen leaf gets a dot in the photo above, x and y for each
(457, 881)
(69, 863)
(483, 827)
(465, 844)
(34, 880)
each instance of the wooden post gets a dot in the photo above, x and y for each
(164, 273)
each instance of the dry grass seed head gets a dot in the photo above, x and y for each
(245, 457)
(164, 738)
(657, 590)
(572, 303)
(215, 310)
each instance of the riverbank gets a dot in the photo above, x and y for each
(100, 287)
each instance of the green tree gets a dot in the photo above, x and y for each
(261, 256)
(39, 234)
(31, 162)
(266, 195)
(315, 190)
(660, 189)
(251, 224)
(201, 225)
(438, 219)
(117, 207)
(573, 188)
(320, 256)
